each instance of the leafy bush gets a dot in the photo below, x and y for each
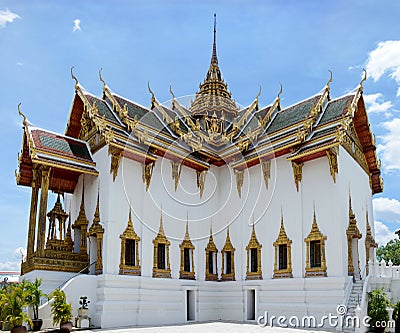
(60, 309)
(377, 304)
(13, 301)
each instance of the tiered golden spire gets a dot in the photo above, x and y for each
(213, 96)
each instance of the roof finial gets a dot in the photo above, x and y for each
(330, 78)
(280, 91)
(153, 98)
(21, 114)
(214, 59)
(101, 78)
(74, 77)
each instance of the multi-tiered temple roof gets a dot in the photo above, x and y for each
(213, 130)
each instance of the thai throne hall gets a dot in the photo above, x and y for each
(203, 210)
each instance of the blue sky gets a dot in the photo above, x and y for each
(259, 42)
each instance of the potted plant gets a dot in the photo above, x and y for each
(377, 304)
(61, 310)
(83, 310)
(13, 301)
(35, 295)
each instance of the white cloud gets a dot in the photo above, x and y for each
(386, 209)
(374, 104)
(10, 266)
(383, 234)
(385, 58)
(19, 63)
(20, 252)
(389, 149)
(6, 16)
(77, 25)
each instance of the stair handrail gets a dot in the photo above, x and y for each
(69, 279)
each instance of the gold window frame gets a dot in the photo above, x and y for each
(129, 233)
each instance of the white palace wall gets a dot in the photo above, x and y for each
(131, 300)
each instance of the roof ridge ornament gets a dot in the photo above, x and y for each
(153, 98)
(359, 90)
(330, 79)
(24, 121)
(74, 78)
(101, 79)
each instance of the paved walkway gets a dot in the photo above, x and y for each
(218, 327)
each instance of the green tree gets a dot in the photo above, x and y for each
(390, 251)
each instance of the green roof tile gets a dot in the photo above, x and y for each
(292, 115)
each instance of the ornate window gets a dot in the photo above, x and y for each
(253, 250)
(228, 260)
(187, 263)
(283, 254)
(315, 252)
(161, 264)
(129, 262)
(211, 259)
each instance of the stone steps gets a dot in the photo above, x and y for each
(354, 300)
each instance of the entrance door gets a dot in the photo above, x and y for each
(190, 305)
(251, 304)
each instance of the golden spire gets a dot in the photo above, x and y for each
(161, 229)
(187, 237)
(214, 59)
(351, 213)
(213, 95)
(96, 219)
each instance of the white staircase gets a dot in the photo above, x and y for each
(354, 300)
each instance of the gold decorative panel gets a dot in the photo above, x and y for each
(297, 173)
(147, 173)
(333, 162)
(266, 170)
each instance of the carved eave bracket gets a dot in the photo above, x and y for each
(176, 173)
(116, 155)
(239, 174)
(147, 172)
(332, 155)
(266, 170)
(201, 180)
(297, 173)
